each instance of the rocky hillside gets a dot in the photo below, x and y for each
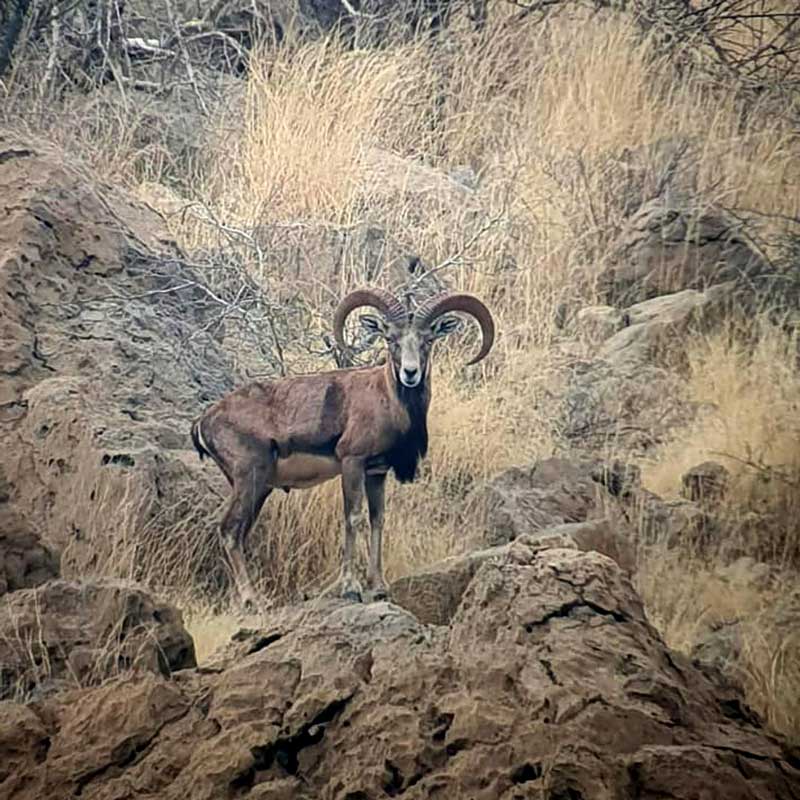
(594, 587)
(525, 670)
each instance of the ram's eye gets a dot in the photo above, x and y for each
(444, 326)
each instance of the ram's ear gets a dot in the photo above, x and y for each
(444, 326)
(373, 325)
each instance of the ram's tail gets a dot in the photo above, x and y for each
(197, 440)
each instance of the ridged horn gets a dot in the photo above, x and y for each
(467, 304)
(385, 302)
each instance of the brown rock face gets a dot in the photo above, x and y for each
(103, 359)
(549, 492)
(66, 634)
(25, 561)
(625, 392)
(669, 246)
(547, 683)
(434, 594)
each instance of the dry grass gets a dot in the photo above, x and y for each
(686, 598)
(213, 630)
(750, 388)
(750, 392)
(535, 111)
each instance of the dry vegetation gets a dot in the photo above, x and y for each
(518, 105)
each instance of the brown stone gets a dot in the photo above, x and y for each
(66, 634)
(547, 682)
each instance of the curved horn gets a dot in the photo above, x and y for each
(388, 305)
(466, 303)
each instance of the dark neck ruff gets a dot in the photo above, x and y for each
(404, 456)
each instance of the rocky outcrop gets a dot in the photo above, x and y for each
(550, 492)
(548, 681)
(670, 246)
(65, 634)
(595, 324)
(628, 390)
(433, 594)
(109, 345)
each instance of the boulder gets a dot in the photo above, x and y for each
(549, 492)
(665, 322)
(705, 483)
(434, 593)
(65, 634)
(629, 391)
(595, 324)
(25, 561)
(548, 682)
(673, 522)
(671, 246)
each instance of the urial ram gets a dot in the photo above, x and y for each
(357, 423)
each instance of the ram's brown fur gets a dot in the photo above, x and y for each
(297, 432)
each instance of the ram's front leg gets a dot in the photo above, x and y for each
(355, 523)
(375, 486)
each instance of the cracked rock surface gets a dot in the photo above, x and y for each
(64, 634)
(548, 682)
(106, 354)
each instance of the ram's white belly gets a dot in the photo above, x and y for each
(301, 470)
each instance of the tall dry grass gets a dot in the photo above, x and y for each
(749, 388)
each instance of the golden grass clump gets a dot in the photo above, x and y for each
(749, 391)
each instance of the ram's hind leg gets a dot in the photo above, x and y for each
(250, 489)
(375, 486)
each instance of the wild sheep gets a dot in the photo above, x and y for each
(358, 423)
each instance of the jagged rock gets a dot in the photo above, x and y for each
(623, 393)
(595, 324)
(23, 743)
(433, 594)
(66, 634)
(548, 681)
(106, 354)
(673, 522)
(25, 561)
(667, 247)
(705, 483)
(550, 492)
(655, 324)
